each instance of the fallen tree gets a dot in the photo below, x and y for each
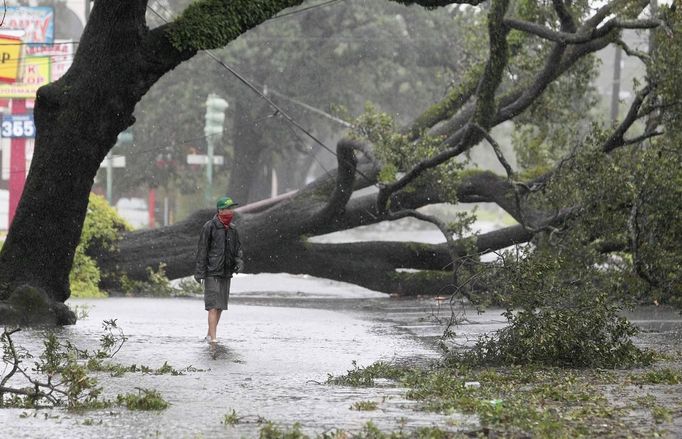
(276, 238)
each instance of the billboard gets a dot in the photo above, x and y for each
(36, 22)
(10, 54)
(60, 52)
(35, 72)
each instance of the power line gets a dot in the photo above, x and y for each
(306, 9)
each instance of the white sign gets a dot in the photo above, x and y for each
(119, 161)
(15, 125)
(201, 159)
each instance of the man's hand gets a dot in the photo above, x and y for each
(239, 267)
(198, 279)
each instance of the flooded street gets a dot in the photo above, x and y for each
(272, 360)
(274, 353)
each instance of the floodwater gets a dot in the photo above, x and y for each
(278, 341)
(274, 353)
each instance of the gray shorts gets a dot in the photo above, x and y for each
(216, 292)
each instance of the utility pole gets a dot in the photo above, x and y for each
(111, 162)
(615, 89)
(215, 119)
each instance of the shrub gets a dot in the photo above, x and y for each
(157, 284)
(101, 230)
(561, 311)
(144, 400)
(586, 335)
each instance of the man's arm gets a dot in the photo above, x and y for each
(202, 253)
(239, 257)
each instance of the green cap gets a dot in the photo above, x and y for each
(225, 203)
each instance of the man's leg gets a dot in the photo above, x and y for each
(213, 317)
(221, 298)
(215, 327)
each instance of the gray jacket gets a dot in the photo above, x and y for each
(219, 252)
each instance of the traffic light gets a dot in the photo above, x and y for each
(125, 138)
(215, 116)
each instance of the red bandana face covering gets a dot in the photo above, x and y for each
(225, 217)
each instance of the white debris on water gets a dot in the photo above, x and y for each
(283, 285)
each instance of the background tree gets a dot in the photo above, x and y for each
(339, 56)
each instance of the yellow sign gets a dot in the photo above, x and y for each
(10, 55)
(35, 72)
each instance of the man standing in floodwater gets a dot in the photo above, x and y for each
(219, 256)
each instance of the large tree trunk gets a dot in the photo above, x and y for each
(77, 120)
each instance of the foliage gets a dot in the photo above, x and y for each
(272, 431)
(145, 399)
(62, 374)
(617, 245)
(663, 376)
(398, 153)
(561, 312)
(62, 368)
(366, 406)
(157, 285)
(231, 418)
(101, 230)
(588, 334)
(624, 202)
(656, 198)
(189, 287)
(523, 401)
(365, 376)
(118, 370)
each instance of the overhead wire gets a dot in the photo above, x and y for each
(306, 9)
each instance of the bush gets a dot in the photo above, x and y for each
(589, 334)
(157, 284)
(144, 400)
(101, 230)
(562, 310)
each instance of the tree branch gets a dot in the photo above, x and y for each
(580, 37)
(642, 137)
(345, 176)
(565, 16)
(447, 107)
(519, 99)
(498, 152)
(7, 335)
(439, 3)
(644, 57)
(616, 139)
(485, 103)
